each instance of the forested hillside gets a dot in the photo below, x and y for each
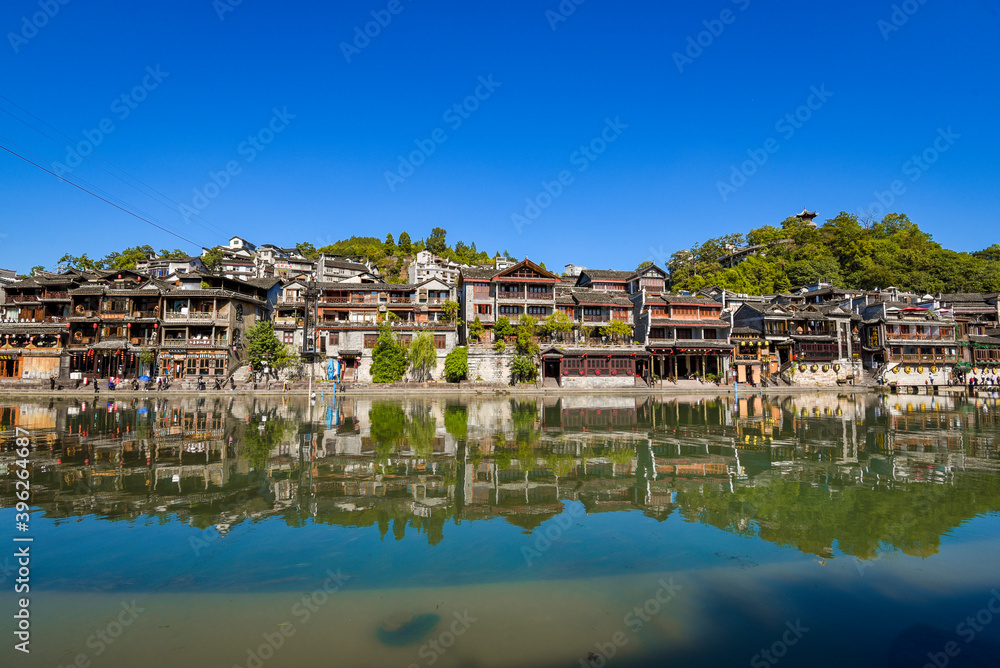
(852, 254)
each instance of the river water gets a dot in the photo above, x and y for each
(807, 530)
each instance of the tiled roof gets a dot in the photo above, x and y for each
(587, 296)
(608, 274)
(346, 264)
(670, 298)
(478, 272)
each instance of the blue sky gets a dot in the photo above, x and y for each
(923, 82)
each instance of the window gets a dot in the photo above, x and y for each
(480, 290)
(440, 341)
(538, 310)
(685, 311)
(685, 333)
(334, 338)
(484, 309)
(542, 290)
(192, 366)
(370, 340)
(510, 310)
(597, 366)
(591, 310)
(405, 339)
(288, 338)
(710, 334)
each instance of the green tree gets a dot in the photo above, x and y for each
(128, 258)
(389, 358)
(523, 369)
(404, 244)
(263, 346)
(212, 260)
(306, 249)
(450, 309)
(423, 355)
(558, 324)
(175, 254)
(37, 269)
(526, 330)
(618, 330)
(81, 262)
(476, 330)
(502, 329)
(456, 365)
(389, 246)
(436, 242)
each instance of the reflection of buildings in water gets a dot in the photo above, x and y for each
(520, 460)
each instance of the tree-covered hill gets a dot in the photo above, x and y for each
(848, 252)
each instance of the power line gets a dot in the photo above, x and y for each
(145, 220)
(93, 187)
(204, 223)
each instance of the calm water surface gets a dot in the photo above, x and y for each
(817, 530)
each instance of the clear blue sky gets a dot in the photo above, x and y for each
(656, 186)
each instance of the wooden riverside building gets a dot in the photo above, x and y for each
(124, 324)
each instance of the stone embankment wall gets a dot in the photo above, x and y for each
(821, 375)
(917, 374)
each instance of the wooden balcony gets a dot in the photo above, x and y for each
(207, 342)
(55, 294)
(916, 359)
(198, 316)
(908, 336)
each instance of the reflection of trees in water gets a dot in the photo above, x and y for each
(456, 421)
(858, 520)
(420, 431)
(263, 434)
(391, 429)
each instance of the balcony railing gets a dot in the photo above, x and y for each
(194, 315)
(597, 318)
(43, 319)
(908, 336)
(206, 342)
(23, 298)
(924, 358)
(55, 294)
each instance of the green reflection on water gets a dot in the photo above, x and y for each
(858, 474)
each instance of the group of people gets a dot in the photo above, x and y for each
(985, 384)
